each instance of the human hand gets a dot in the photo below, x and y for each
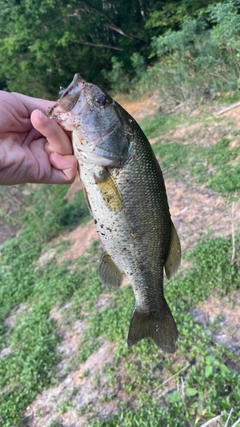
(32, 147)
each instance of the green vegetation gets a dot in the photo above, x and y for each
(213, 165)
(201, 58)
(29, 291)
(205, 375)
(216, 165)
(187, 51)
(155, 127)
(210, 386)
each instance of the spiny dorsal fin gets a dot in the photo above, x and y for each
(108, 272)
(174, 255)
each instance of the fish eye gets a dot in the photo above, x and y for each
(100, 98)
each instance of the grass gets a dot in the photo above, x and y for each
(213, 166)
(216, 166)
(157, 126)
(210, 387)
(148, 388)
(30, 365)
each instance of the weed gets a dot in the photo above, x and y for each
(32, 338)
(55, 423)
(211, 165)
(64, 406)
(196, 383)
(207, 386)
(159, 125)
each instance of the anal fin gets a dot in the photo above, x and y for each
(109, 273)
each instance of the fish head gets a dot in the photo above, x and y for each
(101, 127)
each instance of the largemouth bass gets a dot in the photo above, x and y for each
(126, 195)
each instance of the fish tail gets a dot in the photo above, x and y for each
(161, 328)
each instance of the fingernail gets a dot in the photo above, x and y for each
(42, 117)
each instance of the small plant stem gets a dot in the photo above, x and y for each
(211, 421)
(173, 376)
(236, 423)
(231, 107)
(228, 418)
(233, 235)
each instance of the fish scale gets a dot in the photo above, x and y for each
(127, 198)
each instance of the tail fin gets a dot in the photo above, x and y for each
(162, 329)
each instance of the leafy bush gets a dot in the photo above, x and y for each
(200, 59)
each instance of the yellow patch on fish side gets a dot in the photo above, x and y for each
(110, 194)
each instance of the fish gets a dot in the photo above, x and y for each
(126, 195)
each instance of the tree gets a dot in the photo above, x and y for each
(44, 42)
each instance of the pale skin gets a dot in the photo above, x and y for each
(33, 148)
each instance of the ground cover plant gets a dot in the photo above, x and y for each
(216, 165)
(63, 335)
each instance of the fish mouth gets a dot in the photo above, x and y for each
(72, 93)
(68, 99)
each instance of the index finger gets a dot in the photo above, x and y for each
(55, 135)
(31, 103)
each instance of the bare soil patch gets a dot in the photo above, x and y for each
(198, 212)
(81, 388)
(224, 315)
(147, 106)
(81, 239)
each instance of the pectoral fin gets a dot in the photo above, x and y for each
(108, 272)
(110, 193)
(87, 200)
(174, 256)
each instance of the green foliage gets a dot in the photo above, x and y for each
(212, 266)
(208, 387)
(173, 13)
(28, 292)
(55, 213)
(45, 42)
(201, 58)
(216, 165)
(74, 212)
(156, 126)
(193, 54)
(113, 323)
(117, 76)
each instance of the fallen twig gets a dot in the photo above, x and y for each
(236, 423)
(228, 418)
(233, 236)
(176, 107)
(211, 421)
(173, 376)
(231, 107)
